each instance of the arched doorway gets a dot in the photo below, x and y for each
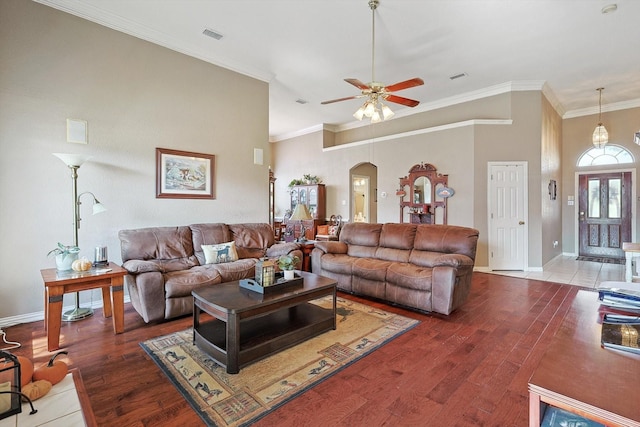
(363, 179)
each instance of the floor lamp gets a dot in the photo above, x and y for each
(74, 161)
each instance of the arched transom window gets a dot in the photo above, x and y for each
(609, 155)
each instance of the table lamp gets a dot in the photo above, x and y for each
(301, 213)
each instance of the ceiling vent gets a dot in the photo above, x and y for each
(301, 101)
(212, 34)
(458, 76)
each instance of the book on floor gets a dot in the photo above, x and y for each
(621, 336)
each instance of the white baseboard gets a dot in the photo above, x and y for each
(5, 322)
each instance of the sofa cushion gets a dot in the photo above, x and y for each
(446, 239)
(252, 240)
(171, 247)
(181, 283)
(208, 234)
(337, 263)
(371, 269)
(397, 236)
(232, 271)
(217, 254)
(410, 276)
(361, 234)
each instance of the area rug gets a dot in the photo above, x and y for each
(602, 260)
(223, 399)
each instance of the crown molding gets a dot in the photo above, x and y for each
(624, 105)
(431, 129)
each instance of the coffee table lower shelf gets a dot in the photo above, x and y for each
(264, 335)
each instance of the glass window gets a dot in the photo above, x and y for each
(615, 186)
(609, 155)
(594, 198)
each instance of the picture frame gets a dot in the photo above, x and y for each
(184, 175)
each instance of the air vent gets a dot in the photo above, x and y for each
(212, 34)
(458, 76)
(301, 101)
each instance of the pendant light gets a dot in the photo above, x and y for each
(600, 134)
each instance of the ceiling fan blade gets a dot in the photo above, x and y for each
(341, 99)
(405, 84)
(357, 83)
(400, 100)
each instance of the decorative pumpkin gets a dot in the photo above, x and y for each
(36, 389)
(54, 371)
(26, 371)
(81, 264)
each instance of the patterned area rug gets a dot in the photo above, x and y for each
(602, 259)
(223, 399)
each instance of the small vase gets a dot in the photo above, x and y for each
(64, 261)
(288, 274)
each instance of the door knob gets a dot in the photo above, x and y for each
(521, 223)
(581, 216)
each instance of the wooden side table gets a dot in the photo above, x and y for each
(56, 284)
(306, 247)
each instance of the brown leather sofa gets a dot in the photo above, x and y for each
(425, 267)
(166, 263)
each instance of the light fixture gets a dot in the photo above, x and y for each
(600, 134)
(636, 137)
(74, 161)
(301, 213)
(373, 106)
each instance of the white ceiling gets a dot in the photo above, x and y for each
(305, 48)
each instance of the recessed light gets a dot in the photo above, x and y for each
(610, 8)
(213, 34)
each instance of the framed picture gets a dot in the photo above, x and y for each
(184, 175)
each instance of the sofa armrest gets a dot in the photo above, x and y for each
(137, 266)
(147, 295)
(332, 247)
(453, 260)
(281, 249)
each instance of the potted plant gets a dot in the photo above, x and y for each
(65, 255)
(287, 263)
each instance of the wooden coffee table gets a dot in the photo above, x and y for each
(578, 375)
(248, 326)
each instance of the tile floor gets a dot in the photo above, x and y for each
(566, 269)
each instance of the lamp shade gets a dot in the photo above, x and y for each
(72, 159)
(301, 213)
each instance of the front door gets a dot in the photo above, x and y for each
(604, 213)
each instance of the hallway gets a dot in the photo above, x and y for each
(567, 270)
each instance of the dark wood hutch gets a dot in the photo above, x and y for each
(314, 197)
(419, 197)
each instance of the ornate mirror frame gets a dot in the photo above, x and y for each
(411, 199)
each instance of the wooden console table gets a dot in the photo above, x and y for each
(56, 284)
(578, 375)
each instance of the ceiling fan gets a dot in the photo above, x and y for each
(376, 92)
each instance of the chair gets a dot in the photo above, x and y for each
(330, 231)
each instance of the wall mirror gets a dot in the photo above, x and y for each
(421, 200)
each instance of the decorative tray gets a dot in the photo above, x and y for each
(279, 284)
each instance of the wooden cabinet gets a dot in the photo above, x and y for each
(314, 197)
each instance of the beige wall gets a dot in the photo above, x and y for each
(461, 152)
(576, 137)
(136, 96)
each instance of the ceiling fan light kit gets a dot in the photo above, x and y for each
(375, 92)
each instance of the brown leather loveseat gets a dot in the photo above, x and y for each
(422, 266)
(166, 263)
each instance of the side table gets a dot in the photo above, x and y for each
(306, 247)
(56, 284)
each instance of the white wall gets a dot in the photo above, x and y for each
(136, 96)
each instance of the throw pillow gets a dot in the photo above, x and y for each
(217, 254)
(333, 230)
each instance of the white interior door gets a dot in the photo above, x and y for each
(508, 227)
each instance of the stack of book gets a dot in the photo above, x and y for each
(620, 309)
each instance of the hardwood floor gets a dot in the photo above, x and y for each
(468, 369)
